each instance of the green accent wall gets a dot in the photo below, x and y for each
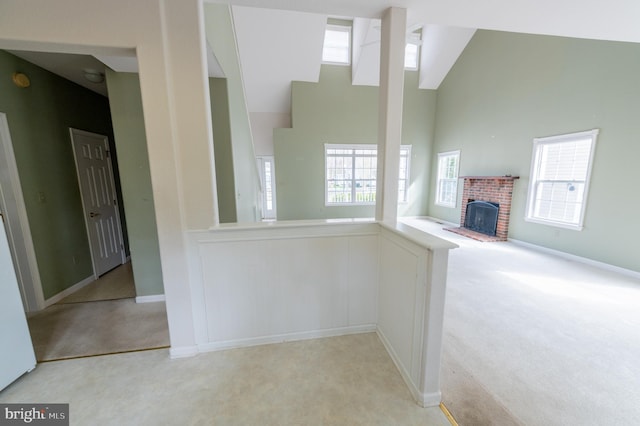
(39, 119)
(220, 35)
(506, 89)
(335, 111)
(222, 150)
(137, 194)
(133, 158)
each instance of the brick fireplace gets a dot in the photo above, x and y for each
(491, 189)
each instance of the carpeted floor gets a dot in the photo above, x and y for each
(347, 380)
(94, 328)
(534, 339)
(101, 318)
(115, 284)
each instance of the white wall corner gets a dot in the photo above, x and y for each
(183, 352)
(431, 399)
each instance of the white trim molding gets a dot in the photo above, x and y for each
(151, 298)
(580, 259)
(183, 352)
(289, 337)
(18, 229)
(64, 293)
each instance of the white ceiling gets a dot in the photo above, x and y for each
(596, 19)
(67, 65)
(275, 48)
(281, 40)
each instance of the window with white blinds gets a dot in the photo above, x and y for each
(560, 172)
(351, 171)
(447, 185)
(337, 45)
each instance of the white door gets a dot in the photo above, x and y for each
(16, 351)
(97, 188)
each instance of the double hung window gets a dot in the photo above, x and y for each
(350, 174)
(560, 171)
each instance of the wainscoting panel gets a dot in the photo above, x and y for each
(291, 285)
(266, 283)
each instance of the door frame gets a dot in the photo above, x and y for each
(18, 230)
(73, 131)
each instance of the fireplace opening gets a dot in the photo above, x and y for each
(482, 216)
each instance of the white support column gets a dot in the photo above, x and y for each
(433, 330)
(392, 45)
(178, 125)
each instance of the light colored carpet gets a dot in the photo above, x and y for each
(115, 284)
(348, 380)
(94, 328)
(534, 339)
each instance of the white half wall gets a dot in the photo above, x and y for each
(264, 285)
(412, 284)
(280, 281)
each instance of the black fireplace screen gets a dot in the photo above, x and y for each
(482, 216)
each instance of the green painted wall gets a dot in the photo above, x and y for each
(508, 88)
(133, 160)
(223, 152)
(39, 119)
(220, 35)
(131, 141)
(334, 111)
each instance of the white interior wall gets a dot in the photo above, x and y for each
(262, 125)
(295, 280)
(167, 36)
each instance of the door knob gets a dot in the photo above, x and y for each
(92, 214)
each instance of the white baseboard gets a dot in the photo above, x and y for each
(425, 400)
(431, 219)
(573, 257)
(151, 299)
(183, 352)
(64, 293)
(280, 338)
(432, 399)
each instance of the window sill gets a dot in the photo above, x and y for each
(573, 227)
(450, 206)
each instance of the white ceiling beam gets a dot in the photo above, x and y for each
(441, 47)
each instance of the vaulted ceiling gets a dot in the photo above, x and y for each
(281, 40)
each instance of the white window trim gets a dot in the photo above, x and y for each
(267, 214)
(363, 146)
(417, 66)
(347, 29)
(408, 174)
(437, 200)
(535, 163)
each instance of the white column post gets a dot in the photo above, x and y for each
(179, 139)
(433, 327)
(392, 45)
